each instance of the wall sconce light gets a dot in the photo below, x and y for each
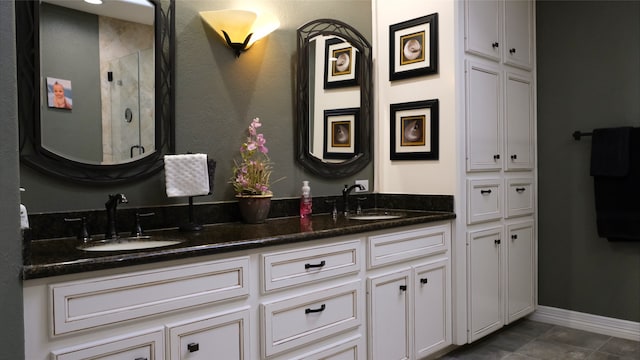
(240, 28)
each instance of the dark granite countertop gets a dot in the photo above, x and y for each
(52, 257)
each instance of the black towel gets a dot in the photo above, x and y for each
(617, 191)
(610, 151)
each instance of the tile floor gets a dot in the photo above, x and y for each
(531, 340)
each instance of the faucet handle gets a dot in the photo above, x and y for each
(118, 198)
(83, 233)
(137, 228)
(359, 208)
(334, 212)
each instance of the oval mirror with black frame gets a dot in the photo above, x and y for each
(71, 139)
(334, 105)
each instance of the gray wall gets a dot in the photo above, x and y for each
(588, 77)
(217, 95)
(70, 51)
(11, 331)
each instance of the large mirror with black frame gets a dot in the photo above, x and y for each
(334, 104)
(95, 87)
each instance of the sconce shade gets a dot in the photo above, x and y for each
(240, 28)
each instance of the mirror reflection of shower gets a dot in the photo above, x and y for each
(127, 77)
(131, 124)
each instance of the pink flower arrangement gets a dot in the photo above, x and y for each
(251, 175)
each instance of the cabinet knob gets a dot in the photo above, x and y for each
(310, 310)
(496, 157)
(140, 358)
(514, 236)
(512, 51)
(485, 192)
(514, 156)
(495, 45)
(403, 287)
(496, 241)
(193, 347)
(309, 266)
(520, 189)
(424, 281)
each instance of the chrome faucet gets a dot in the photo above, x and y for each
(345, 196)
(111, 205)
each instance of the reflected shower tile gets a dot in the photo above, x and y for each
(575, 337)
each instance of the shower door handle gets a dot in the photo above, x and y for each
(140, 150)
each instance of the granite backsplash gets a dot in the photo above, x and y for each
(53, 225)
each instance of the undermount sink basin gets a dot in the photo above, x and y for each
(382, 215)
(128, 243)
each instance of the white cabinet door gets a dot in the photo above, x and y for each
(520, 270)
(218, 336)
(484, 200)
(520, 197)
(483, 117)
(485, 282)
(431, 303)
(390, 316)
(138, 346)
(518, 18)
(483, 28)
(519, 121)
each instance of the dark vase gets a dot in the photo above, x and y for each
(254, 209)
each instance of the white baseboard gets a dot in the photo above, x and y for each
(593, 323)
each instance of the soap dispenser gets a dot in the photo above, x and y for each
(24, 218)
(306, 202)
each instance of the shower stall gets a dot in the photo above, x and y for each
(130, 131)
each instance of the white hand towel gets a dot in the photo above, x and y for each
(186, 175)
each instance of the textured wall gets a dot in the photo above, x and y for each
(217, 95)
(588, 77)
(11, 331)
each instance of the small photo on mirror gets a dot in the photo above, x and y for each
(341, 64)
(340, 140)
(59, 94)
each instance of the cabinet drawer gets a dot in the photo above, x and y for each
(399, 246)
(349, 349)
(520, 197)
(220, 336)
(485, 200)
(284, 269)
(147, 345)
(89, 303)
(303, 319)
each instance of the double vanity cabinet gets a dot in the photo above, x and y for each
(380, 292)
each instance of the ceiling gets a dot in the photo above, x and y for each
(138, 11)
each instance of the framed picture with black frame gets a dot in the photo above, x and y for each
(340, 64)
(340, 135)
(414, 130)
(413, 48)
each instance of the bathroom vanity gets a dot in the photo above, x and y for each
(285, 289)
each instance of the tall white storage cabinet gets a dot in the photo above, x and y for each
(498, 177)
